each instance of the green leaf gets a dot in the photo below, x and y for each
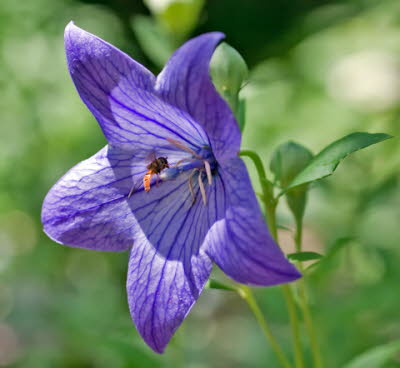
(325, 162)
(304, 256)
(330, 255)
(241, 114)
(283, 227)
(288, 160)
(337, 246)
(214, 284)
(375, 357)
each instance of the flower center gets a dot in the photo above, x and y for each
(201, 164)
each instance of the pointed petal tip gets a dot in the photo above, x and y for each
(294, 274)
(76, 38)
(70, 28)
(288, 274)
(284, 277)
(73, 36)
(49, 233)
(285, 273)
(48, 228)
(214, 34)
(211, 38)
(70, 24)
(157, 349)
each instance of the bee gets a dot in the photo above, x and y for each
(156, 165)
(154, 168)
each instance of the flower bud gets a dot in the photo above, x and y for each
(178, 17)
(288, 160)
(228, 71)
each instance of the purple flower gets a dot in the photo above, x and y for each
(203, 208)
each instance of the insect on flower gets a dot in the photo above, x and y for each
(172, 237)
(156, 165)
(154, 168)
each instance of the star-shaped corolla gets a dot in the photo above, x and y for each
(203, 208)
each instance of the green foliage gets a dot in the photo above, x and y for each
(228, 71)
(173, 21)
(177, 17)
(325, 162)
(287, 161)
(241, 114)
(304, 256)
(328, 262)
(375, 357)
(180, 17)
(156, 44)
(215, 284)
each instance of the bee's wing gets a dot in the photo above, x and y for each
(150, 157)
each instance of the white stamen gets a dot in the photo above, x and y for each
(208, 171)
(183, 147)
(183, 160)
(131, 192)
(191, 185)
(202, 190)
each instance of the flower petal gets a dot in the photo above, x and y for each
(185, 82)
(168, 266)
(163, 288)
(87, 207)
(120, 94)
(241, 244)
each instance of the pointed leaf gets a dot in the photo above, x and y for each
(283, 227)
(214, 284)
(325, 162)
(375, 357)
(304, 256)
(329, 257)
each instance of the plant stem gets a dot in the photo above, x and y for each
(267, 191)
(305, 309)
(270, 204)
(288, 294)
(246, 293)
(298, 236)
(291, 305)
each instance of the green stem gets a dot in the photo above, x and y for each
(294, 324)
(305, 309)
(246, 293)
(298, 235)
(266, 187)
(270, 204)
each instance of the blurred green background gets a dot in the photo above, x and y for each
(319, 70)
